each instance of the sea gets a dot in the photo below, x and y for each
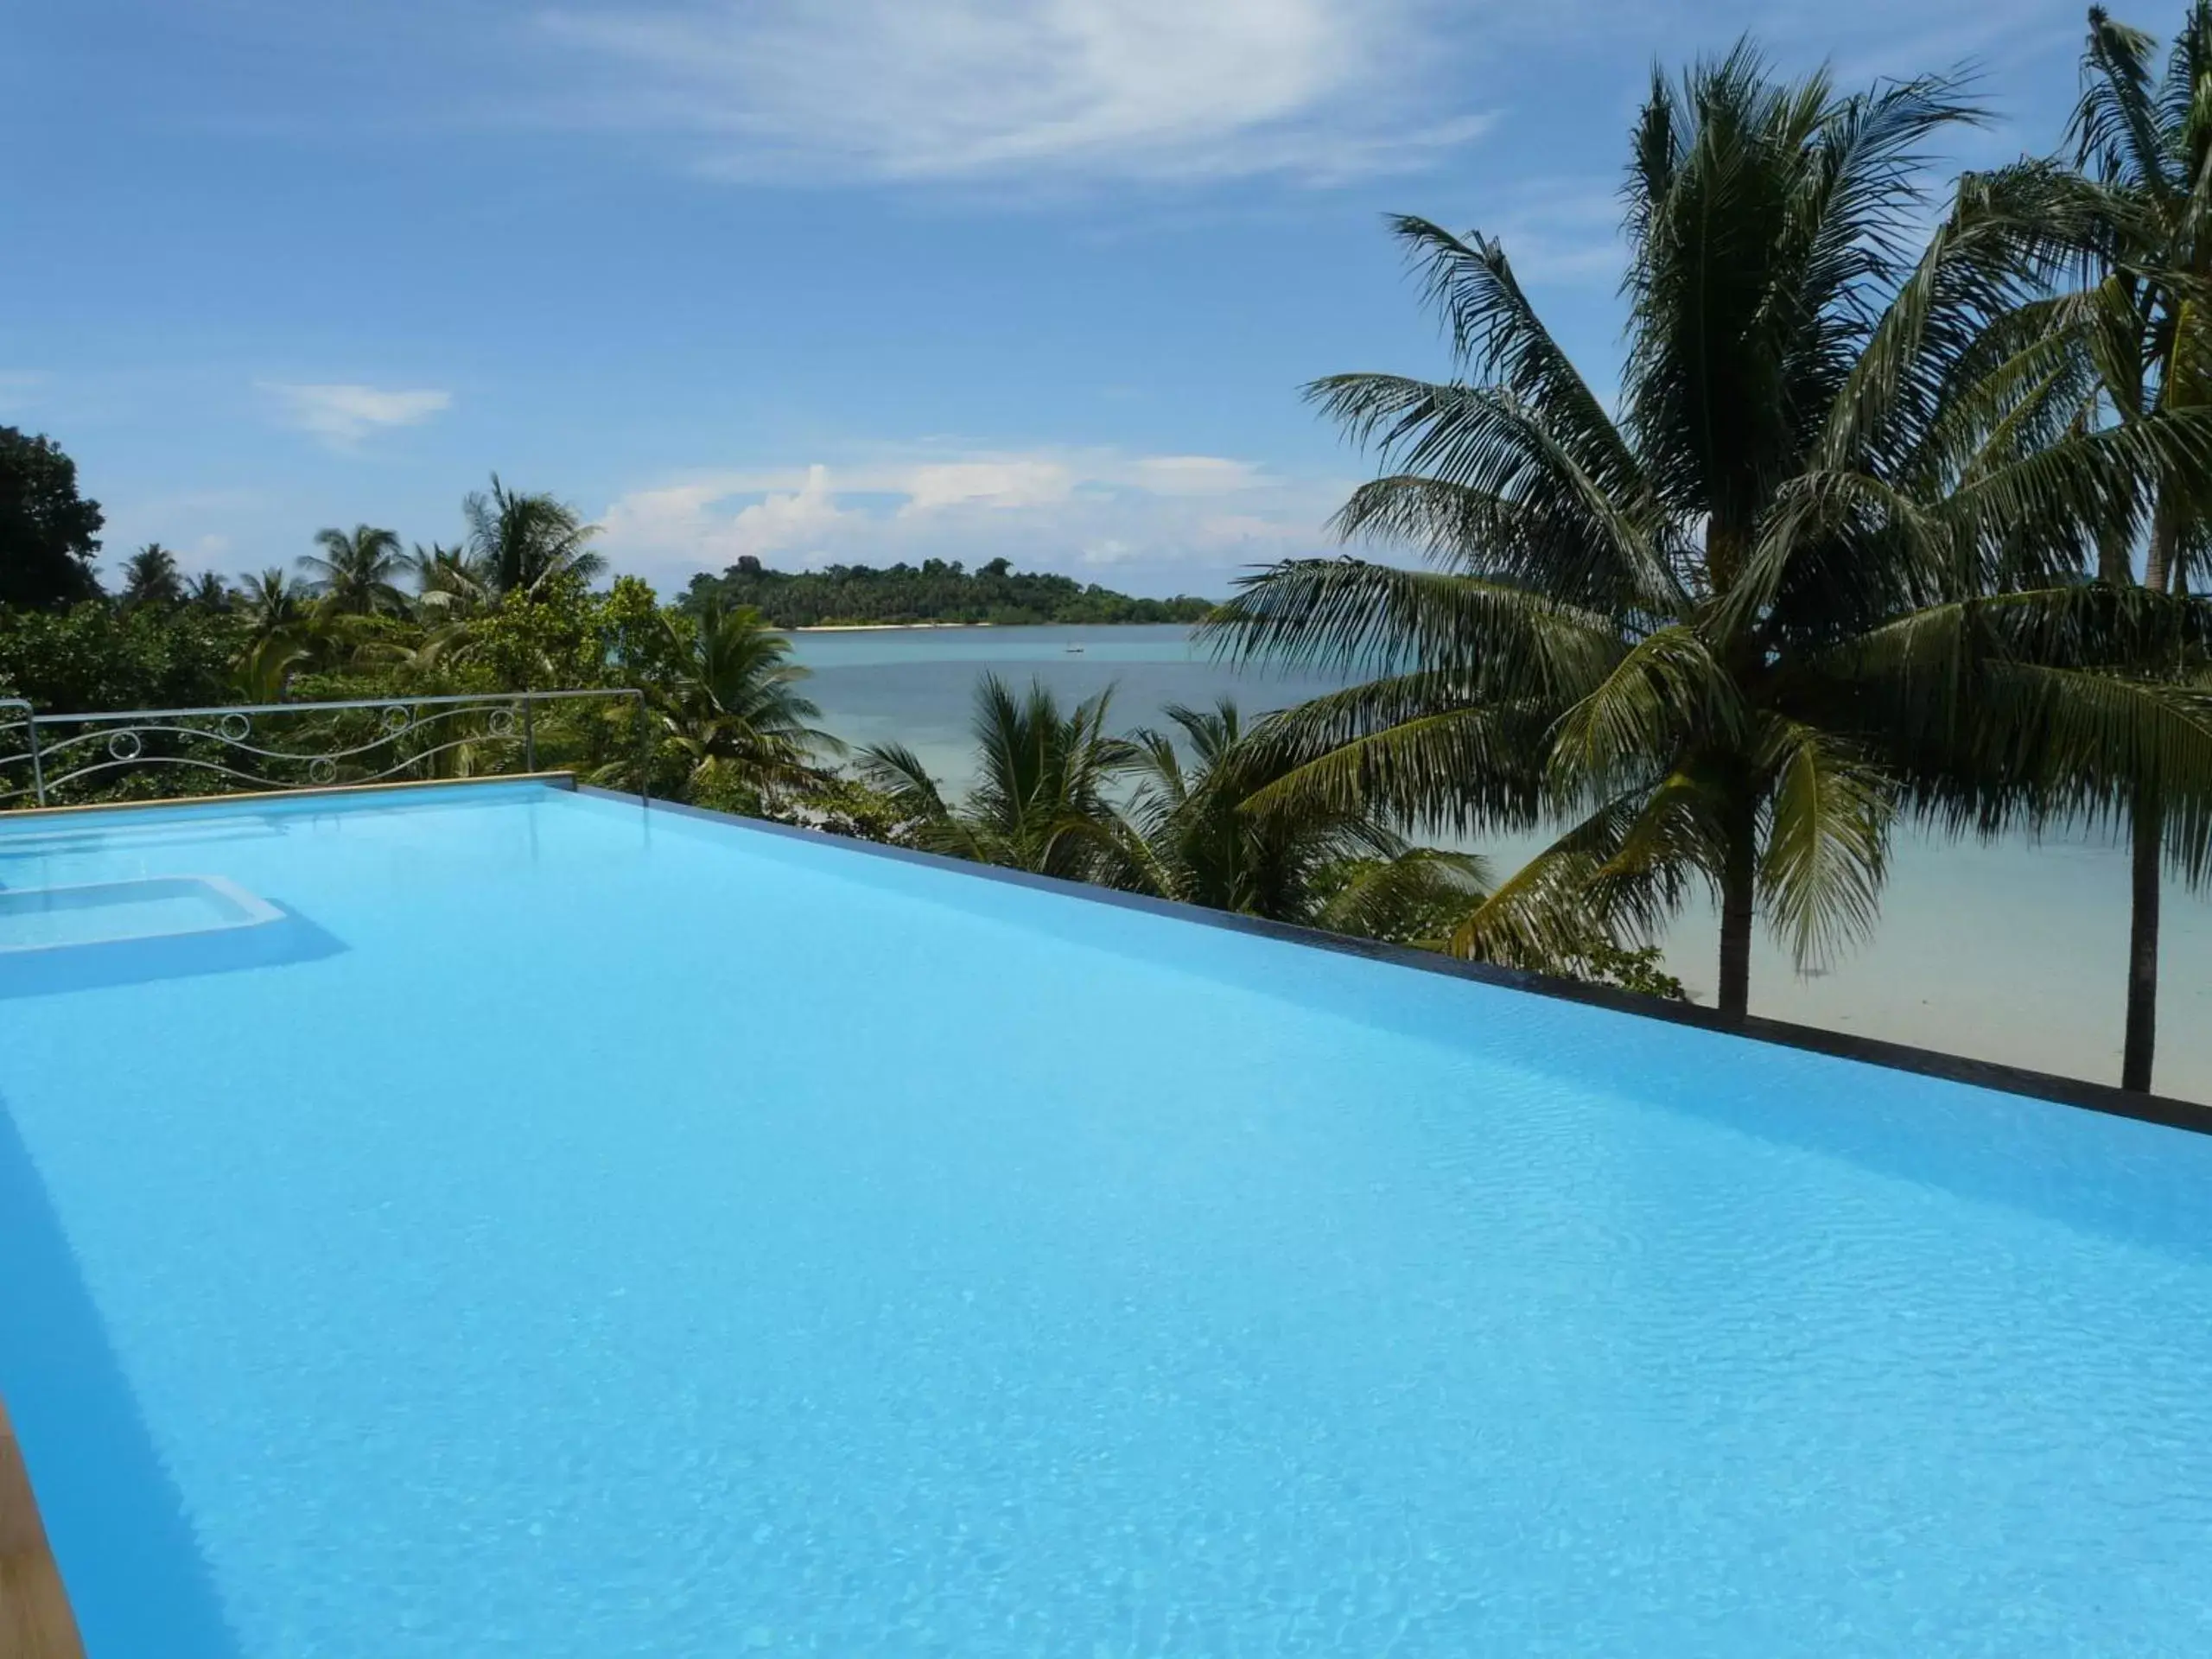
(2013, 951)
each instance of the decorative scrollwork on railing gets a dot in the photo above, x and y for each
(278, 745)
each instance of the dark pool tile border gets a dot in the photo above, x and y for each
(2165, 1110)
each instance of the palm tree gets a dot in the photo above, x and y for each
(264, 668)
(517, 542)
(1042, 800)
(1346, 870)
(273, 603)
(150, 577)
(449, 586)
(2147, 141)
(1700, 631)
(353, 573)
(731, 707)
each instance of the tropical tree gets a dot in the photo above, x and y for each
(272, 603)
(516, 542)
(264, 671)
(150, 577)
(729, 705)
(211, 593)
(449, 585)
(1043, 799)
(1317, 863)
(1703, 633)
(354, 573)
(48, 533)
(2145, 139)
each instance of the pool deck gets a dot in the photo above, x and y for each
(34, 1619)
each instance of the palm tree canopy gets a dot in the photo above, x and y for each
(1648, 625)
(517, 542)
(1043, 798)
(2145, 139)
(273, 601)
(449, 584)
(150, 577)
(731, 706)
(1201, 843)
(353, 573)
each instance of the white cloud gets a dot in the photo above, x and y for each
(343, 415)
(990, 89)
(1194, 474)
(1189, 521)
(1002, 484)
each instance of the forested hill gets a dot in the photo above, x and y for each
(936, 592)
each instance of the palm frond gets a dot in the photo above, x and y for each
(1829, 813)
(1348, 615)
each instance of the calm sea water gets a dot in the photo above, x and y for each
(2013, 952)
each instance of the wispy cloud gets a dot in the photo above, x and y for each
(1057, 89)
(1189, 520)
(343, 415)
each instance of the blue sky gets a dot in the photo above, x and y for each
(858, 280)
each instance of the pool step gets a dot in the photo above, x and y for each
(34, 1620)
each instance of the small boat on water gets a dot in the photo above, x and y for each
(1075, 651)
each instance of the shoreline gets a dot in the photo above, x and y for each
(894, 627)
(902, 628)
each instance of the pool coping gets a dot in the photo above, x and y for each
(557, 779)
(36, 1621)
(2168, 1110)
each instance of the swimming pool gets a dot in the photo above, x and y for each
(574, 1230)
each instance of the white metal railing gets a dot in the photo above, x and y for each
(402, 737)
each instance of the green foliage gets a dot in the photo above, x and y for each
(1042, 801)
(935, 592)
(724, 697)
(1201, 834)
(1664, 630)
(543, 637)
(517, 542)
(840, 804)
(1641, 969)
(150, 577)
(354, 573)
(2143, 142)
(48, 534)
(93, 656)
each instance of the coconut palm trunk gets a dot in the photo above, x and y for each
(1738, 910)
(2146, 871)
(2146, 855)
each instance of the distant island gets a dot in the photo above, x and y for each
(856, 595)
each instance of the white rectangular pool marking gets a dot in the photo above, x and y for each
(116, 912)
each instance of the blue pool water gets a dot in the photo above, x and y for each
(599, 1233)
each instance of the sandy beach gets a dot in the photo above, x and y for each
(882, 627)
